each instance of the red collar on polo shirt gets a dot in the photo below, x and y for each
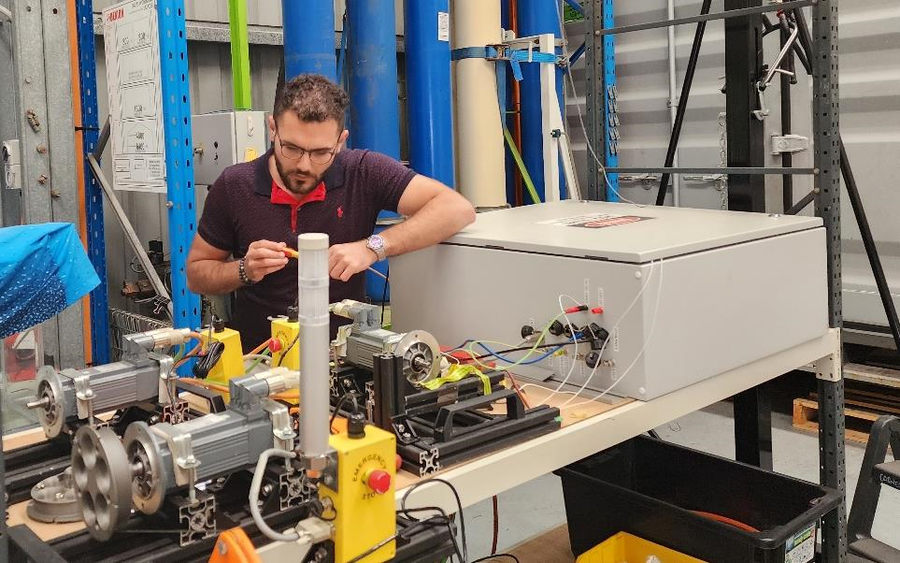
(281, 197)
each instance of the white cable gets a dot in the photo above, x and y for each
(587, 140)
(253, 498)
(616, 327)
(639, 354)
(572, 332)
(593, 372)
(612, 334)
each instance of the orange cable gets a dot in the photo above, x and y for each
(726, 520)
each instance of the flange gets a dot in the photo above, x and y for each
(421, 357)
(148, 486)
(102, 479)
(52, 412)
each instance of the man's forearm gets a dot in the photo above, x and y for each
(213, 277)
(438, 220)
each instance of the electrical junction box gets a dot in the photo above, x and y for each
(224, 138)
(686, 294)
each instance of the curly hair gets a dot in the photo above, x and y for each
(313, 98)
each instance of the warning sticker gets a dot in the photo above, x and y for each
(801, 548)
(596, 221)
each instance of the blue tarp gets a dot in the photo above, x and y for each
(43, 270)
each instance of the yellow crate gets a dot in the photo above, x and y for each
(625, 548)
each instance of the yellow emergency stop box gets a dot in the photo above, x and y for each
(287, 333)
(364, 500)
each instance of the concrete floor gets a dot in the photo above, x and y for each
(537, 506)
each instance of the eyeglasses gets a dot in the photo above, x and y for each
(316, 156)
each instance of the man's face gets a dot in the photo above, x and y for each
(304, 150)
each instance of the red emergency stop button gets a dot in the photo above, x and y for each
(275, 345)
(379, 481)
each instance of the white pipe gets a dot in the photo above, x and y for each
(673, 99)
(480, 165)
(314, 343)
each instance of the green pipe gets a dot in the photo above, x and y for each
(240, 54)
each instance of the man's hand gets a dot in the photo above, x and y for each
(264, 257)
(347, 260)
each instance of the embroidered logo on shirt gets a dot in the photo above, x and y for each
(340, 212)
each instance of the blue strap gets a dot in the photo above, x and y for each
(513, 56)
(473, 53)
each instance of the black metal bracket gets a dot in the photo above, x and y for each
(454, 422)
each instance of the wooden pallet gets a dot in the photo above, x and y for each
(858, 422)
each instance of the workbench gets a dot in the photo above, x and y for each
(586, 429)
(581, 436)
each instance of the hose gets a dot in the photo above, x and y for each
(253, 498)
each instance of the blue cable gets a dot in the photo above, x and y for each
(525, 363)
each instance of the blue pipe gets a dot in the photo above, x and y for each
(429, 104)
(372, 60)
(308, 38)
(374, 104)
(537, 17)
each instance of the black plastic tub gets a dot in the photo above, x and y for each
(654, 490)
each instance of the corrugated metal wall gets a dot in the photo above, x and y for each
(643, 89)
(870, 124)
(870, 118)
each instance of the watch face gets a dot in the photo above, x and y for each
(376, 242)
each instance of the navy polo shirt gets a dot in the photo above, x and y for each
(240, 210)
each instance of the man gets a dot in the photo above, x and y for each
(308, 182)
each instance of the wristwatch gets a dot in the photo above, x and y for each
(375, 243)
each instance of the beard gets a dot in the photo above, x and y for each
(297, 182)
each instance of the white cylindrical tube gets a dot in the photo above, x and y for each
(673, 99)
(313, 282)
(481, 168)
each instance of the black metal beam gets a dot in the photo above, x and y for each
(746, 142)
(595, 97)
(801, 205)
(710, 170)
(753, 427)
(823, 49)
(728, 13)
(683, 102)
